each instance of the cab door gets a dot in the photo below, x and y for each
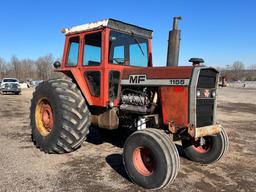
(92, 67)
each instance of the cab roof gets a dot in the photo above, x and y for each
(112, 24)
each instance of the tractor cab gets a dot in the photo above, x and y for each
(99, 52)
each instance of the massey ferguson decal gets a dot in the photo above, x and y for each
(137, 79)
(141, 79)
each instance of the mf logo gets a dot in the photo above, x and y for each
(136, 79)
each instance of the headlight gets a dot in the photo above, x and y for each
(3, 86)
(213, 93)
(198, 93)
(111, 104)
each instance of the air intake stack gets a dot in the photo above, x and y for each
(174, 44)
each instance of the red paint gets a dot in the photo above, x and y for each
(143, 161)
(174, 105)
(46, 115)
(203, 148)
(178, 88)
(78, 71)
(174, 100)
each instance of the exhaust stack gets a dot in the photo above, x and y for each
(174, 44)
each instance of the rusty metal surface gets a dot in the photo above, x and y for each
(171, 127)
(174, 102)
(174, 44)
(207, 130)
(191, 130)
(112, 24)
(106, 120)
(173, 72)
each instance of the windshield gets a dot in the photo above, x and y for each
(10, 80)
(128, 49)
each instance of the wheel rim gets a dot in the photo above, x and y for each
(144, 161)
(44, 117)
(206, 147)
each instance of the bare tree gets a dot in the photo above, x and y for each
(44, 67)
(16, 65)
(237, 70)
(251, 73)
(27, 69)
(2, 68)
(237, 66)
(252, 67)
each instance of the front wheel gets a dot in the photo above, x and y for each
(212, 149)
(151, 159)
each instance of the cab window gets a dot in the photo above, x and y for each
(137, 55)
(73, 51)
(128, 49)
(92, 49)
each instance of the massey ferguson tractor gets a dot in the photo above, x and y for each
(110, 82)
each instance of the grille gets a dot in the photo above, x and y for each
(205, 106)
(11, 85)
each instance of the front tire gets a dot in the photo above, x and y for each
(213, 149)
(59, 116)
(151, 159)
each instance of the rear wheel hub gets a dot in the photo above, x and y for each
(44, 117)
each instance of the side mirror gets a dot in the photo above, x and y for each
(56, 64)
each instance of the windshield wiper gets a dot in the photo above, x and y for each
(138, 43)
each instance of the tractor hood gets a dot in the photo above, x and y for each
(157, 76)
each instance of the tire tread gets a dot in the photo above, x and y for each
(75, 118)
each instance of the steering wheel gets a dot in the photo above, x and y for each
(119, 60)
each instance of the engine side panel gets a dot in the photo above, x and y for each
(174, 101)
(182, 72)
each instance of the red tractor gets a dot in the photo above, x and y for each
(111, 83)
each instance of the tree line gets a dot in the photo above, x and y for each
(28, 69)
(237, 71)
(42, 69)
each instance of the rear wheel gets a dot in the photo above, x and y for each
(59, 116)
(151, 158)
(213, 148)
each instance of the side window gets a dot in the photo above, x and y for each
(139, 55)
(73, 51)
(93, 80)
(92, 49)
(118, 54)
(114, 77)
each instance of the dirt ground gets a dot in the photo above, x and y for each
(97, 165)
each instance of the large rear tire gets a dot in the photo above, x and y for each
(59, 116)
(151, 159)
(213, 149)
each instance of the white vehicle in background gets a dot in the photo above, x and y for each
(10, 85)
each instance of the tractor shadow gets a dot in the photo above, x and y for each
(99, 136)
(115, 161)
(117, 138)
(179, 147)
(181, 151)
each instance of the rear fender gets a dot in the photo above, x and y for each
(76, 75)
